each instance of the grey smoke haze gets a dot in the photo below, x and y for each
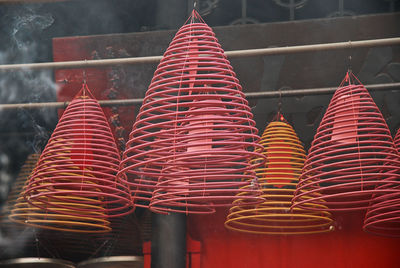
(26, 26)
(21, 42)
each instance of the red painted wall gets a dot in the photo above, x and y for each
(347, 246)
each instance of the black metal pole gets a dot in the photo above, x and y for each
(168, 241)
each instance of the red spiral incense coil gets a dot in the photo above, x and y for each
(190, 146)
(383, 214)
(74, 182)
(352, 154)
(278, 178)
(397, 140)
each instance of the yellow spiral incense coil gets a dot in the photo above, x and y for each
(277, 180)
(15, 191)
(68, 213)
(20, 181)
(18, 236)
(24, 213)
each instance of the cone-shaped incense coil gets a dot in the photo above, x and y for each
(59, 243)
(9, 229)
(96, 222)
(194, 135)
(278, 179)
(18, 186)
(397, 141)
(383, 215)
(21, 179)
(352, 153)
(74, 186)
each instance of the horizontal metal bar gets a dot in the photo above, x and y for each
(249, 95)
(229, 54)
(314, 91)
(314, 48)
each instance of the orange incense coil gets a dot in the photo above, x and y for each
(352, 157)
(18, 186)
(383, 214)
(94, 222)
(74, 186)
(60, 243)
(21, 179)
(9, 229)
(93, 219)
(194, 135)
(278, 179)
(26, 213)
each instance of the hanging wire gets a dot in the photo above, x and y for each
(84, 81)
(349, 67)
(349, 63)
(280, 102)
(36, 244)
(279, 115)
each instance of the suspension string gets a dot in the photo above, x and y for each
(355, 118)
(349, 63)
(99, 248)
(36, 243)
(280, 103)
(84, 76)
(349, 71)
(84, 129)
